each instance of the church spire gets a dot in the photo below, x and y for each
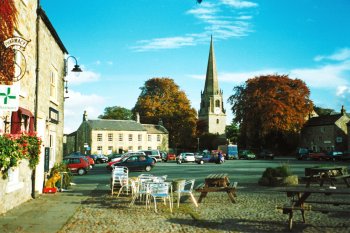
(211, 81)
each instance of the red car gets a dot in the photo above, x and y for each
(318, 156)
(77, 164)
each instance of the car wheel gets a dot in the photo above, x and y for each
(148, 168)
(201, 162)
(81, 171)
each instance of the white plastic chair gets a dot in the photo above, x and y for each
(142, 189)
(161, 190)
(186, 188)
(119, 179)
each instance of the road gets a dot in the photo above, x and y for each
(245, 172)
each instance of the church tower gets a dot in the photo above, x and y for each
(212, 110)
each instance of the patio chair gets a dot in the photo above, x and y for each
(186, 188)
(161, 190)
(142, 188)
(119, 179)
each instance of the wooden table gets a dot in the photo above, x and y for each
(217, 183)
(326, 174)
(299, 197)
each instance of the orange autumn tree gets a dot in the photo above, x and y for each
(271, 109)
(7, 25)
(161, 99)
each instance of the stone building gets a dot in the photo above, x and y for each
(41, 101)
(103, 136)
(326, 133)
(212, 110)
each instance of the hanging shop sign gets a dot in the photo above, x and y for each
(14, 46)
(9, 97)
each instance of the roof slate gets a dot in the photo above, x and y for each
(323, 120)
(115, 125)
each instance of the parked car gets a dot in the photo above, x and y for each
(170, 156)
(205, 158)
(318, 156)
(137, 163)
(246, 154)
(87, 158)
(154, 154)
(113, 156)
(164, 155)
(266, 154)
(345, 156)
(302, 153)
(76, 164)
(185, 157)
(101, 159)
(121, 157)
(335, 155)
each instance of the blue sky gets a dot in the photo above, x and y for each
(123, 43)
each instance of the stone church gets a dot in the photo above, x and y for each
(212, 110)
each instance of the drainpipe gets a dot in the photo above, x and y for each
(36, 89)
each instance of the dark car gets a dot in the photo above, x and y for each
(302, 153)
(137, 163)
(246, 154)
(101, 159)
(77, 164)
(266, 154)
(335, 155)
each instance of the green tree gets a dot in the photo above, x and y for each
(232, 132)
(116, 113)
(161, 98)
(269, 107)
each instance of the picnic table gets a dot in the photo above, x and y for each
(217, 183)
(326, 174)
(299, 196)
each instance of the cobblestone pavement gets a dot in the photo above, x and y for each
(255, 211)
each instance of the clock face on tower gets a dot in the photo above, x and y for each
(217, 110)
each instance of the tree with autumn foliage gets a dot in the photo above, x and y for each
(162, 99)
(271, 109)
(8, 19)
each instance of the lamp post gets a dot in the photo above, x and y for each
(197, 144)
(76, 69)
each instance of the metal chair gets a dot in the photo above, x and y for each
(119, 179)
(186, 188)
(161, 190)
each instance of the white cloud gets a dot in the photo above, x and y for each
(340, 55)
(75, 78)
(75, 106)
(164, 43)
(239, 4)
(218, 22)
(327, 76)
(343, 91)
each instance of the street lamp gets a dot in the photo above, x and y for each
(197, 144)
(76, 69)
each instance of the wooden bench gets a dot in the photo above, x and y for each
(230, 190)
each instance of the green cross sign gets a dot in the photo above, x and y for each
(7, 95)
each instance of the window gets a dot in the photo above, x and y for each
(110, 148)
(99, 148)
(99, 137)
(53, 85)
(149, 148)
(120, 137)
(139, 137)
(149, 137)
(110, 137)
(139, 147)
(217, 121)
(158, 138)
(130, 148)
(217, 103)
(130, 137)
